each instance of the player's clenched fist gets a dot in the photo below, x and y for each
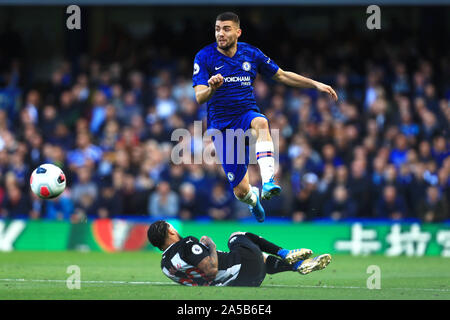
(207, 241)
(215, 81)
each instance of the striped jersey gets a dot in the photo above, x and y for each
(180, 260)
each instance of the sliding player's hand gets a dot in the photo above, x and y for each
(207, 241)
(327, 89)
(215, 81)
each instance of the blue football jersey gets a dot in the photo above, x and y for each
(235, 96)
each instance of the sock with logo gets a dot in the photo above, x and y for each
(266, 160)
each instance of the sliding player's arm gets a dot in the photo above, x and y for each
(204, 93)
(210, 264)
(293, 79)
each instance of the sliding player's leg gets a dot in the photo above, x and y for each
(289, 256)
(282, 260)
(278, 259)
(275, 264)
(265, 157)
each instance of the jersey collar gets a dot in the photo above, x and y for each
(238, 51)
(168, 248)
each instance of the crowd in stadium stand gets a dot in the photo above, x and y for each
(381, 151)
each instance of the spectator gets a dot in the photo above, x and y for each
(98, 112)
(307, 204)
(176, 175)
(188, 201)
(134, 201)
(32, 106)
(360, 189)
(130, 108)
(398, 154)
(341, 176)
(20, 170)
(164, 202)
(109, 203)
(326, 181)
(441, 150)
(86, 154)
(424, 151)
(330, 157)
(35, 155)
(84, 191)
(301, 206)
(60, 208)
(165, 105)
(434, 208)
(16, 203)
(69, 112)
(49, 120)
(430, 126)
(220, 203)
(340, 206)
(391, 205)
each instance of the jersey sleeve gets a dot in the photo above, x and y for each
(200, 74)
(266, 66)
(194, 251)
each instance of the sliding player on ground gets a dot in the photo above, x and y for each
(197, 263)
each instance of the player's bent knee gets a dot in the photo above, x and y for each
(260, 123)
(237, 233)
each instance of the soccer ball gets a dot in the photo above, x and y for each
(47, 181)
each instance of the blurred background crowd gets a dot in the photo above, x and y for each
(105, 113)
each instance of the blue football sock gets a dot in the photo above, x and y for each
(282, 253)
(297, 264)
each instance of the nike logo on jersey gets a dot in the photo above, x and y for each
(189, 241)
(217, 68)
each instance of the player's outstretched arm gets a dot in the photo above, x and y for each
(204, 93)
(210, 264)
(293, 79)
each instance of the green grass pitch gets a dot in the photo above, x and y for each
(137, 275)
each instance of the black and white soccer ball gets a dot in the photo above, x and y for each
(47, 181)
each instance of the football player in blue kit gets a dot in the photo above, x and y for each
(223, 76)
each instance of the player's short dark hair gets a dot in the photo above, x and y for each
(229, 16)
(157, 233)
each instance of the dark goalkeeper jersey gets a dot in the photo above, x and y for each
(179, 263)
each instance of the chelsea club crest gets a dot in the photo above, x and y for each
(196, 68)
(246, 66)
